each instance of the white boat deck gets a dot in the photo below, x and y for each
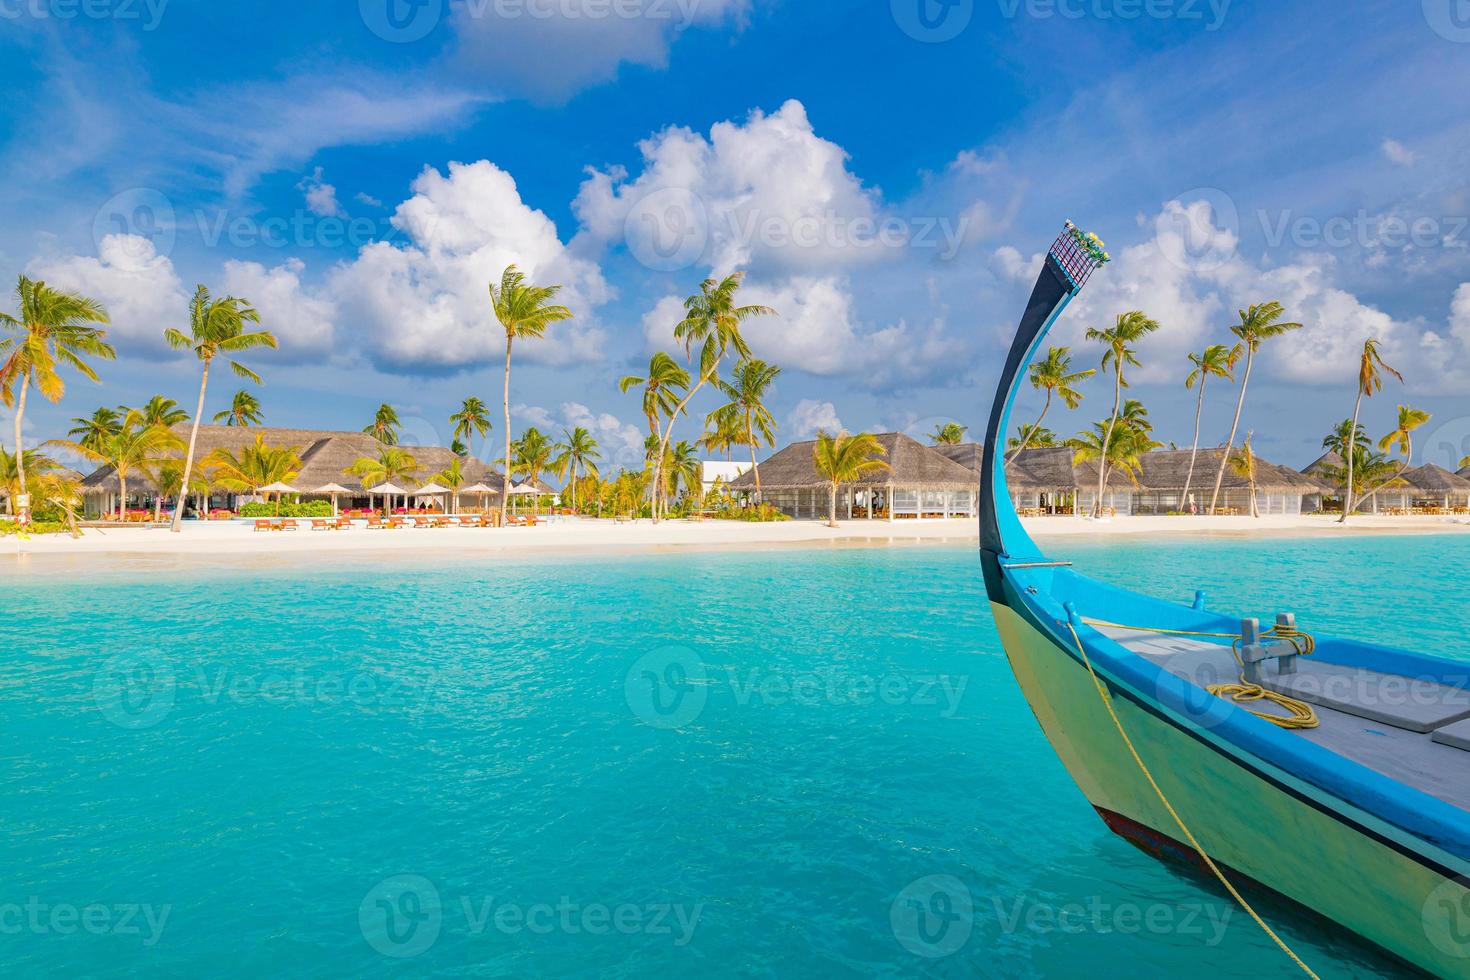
(1412, 730)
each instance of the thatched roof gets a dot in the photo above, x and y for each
(325, 456)
(911, 465)
(1325, 465)
(1436, 479)
(1051, 470)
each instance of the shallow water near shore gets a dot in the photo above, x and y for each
(736, 763)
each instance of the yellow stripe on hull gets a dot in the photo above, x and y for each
(1245, 823)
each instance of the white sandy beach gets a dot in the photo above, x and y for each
(588, 536)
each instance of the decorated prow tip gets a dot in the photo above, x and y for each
(1079, 254)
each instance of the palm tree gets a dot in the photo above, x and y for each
(216, 326)
(712, 322)
(52, 328)
(1127, 330)
(1053, 374)
(723, 432)
(578, 453)
(473, 418)
(842, 459)
(160, 411)
(1217, 360)
(93, 429)
(747, 392)
(1371, 368)
(948, 434)
(34, 462)
(1126, 445)
(57, 491)
(389, 466)
(531, 454)
(134, 446)
(1030, 435)
(524, 310)
(254, 466)
(244, 411)
(686, 471)
(384, 426)
(1258, 324)
(666, 381)
(1402, 436)
(452, 477)
(1243, 463)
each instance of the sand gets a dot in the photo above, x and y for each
(589, 536)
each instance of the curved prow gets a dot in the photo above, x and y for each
(1070, 262)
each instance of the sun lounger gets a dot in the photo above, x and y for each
(344, 523)
(393, 523)
(321, 524)
(287, 524)
(375, 523)
(261, 525)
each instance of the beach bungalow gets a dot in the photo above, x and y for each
(919, 483)
(1433, 488)
(325, 455)
(1280, 490)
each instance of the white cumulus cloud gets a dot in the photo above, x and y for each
(426, 305)
(809, 416)
(139, 287)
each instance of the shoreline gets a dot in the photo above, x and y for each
(205, 546)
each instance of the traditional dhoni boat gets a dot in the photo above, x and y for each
(1333, 772)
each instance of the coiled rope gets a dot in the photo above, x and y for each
(1302, 715)
(1107, 701)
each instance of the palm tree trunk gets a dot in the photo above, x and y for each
(1352, 442)
(663, 444)
(178, 520)
(1102, 457)
(832, 506)
(755, 468)
(1250, 354)
(1199, 408)
(20, 456)
(122, 495)
(505, 496)
(1026, 439)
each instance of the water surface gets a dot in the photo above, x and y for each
(740, 763)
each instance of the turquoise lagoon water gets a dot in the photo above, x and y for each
(735, 764)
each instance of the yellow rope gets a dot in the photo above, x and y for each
(1143, 767)
(1302, 715)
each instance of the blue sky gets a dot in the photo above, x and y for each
(886, 173)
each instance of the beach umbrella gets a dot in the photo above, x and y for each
(481, 490)
(277, 489)
(387, 490)
(432, 489)
(333, 489)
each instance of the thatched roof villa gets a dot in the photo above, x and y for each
(325, 456)
(920, 482)
(1049, 480)
(1431, 485)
